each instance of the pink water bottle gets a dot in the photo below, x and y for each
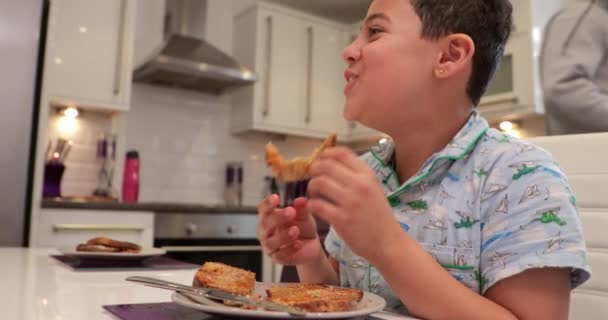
(130, 179)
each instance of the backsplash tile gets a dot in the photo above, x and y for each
(184, 141)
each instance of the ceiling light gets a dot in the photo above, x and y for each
(71, 112)
(506, 126)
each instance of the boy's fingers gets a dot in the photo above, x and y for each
(271, 202)
(345, 156)
(275, 220)
(333, 169)
(326, 188)
(281, 239)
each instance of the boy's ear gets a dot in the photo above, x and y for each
(456, 53)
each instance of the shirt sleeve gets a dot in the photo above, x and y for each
(333, 244)
(530, 220)
(575, 45)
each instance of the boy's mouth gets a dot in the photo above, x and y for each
(351, 78)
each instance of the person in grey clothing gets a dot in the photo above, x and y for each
(574, 68)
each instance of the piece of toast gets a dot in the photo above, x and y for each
(220, 276)
(295, 169)
(315, 297)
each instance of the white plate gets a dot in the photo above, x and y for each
(370, 303)
(144, 253)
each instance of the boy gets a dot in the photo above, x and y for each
(449, 219)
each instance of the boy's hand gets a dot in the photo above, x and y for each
(346, 193)
(288, 235)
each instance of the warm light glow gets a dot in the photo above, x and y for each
(70, 112)
(45, 301)
(247, 74)
(58, 60)
(383, 140)
(67, 126)
(83, 29)
(506, 126)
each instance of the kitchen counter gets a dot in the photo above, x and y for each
(157, 207)
(38, 287)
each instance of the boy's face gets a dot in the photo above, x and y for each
(389, 69)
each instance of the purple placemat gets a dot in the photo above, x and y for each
(156, 311)
(151, 263)
(172, 311)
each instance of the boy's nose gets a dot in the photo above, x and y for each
(352, 52)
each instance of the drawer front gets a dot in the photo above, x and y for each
(60, 228)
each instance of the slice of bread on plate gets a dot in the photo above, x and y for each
(221, 276)
(315, 297)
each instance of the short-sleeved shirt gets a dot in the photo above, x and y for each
(486, 207)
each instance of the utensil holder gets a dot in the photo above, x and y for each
(53, 173)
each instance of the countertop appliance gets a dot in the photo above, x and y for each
(22, 35)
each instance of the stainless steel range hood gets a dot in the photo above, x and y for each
(188, 62)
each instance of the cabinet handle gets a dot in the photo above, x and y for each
(269, 34)
(95, 227)
(311, 38)
(119, 48)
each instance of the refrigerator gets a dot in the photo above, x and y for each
(22, 38)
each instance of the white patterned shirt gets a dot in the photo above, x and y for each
(486, 207)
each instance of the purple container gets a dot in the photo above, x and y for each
(290, 191)
(51, 186)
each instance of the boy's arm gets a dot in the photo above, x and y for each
(324, 270)
(535, 294)
(432, 293)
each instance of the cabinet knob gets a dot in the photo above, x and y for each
(191, 228)
(231, 229)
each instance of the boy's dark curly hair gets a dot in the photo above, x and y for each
(487, 22)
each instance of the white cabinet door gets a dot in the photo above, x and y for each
(324, 96)
(281, 44)
(89, 52)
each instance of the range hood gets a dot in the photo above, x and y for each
(189, 62)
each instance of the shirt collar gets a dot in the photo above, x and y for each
(461, 145)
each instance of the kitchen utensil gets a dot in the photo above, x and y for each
(47, 152)
(59, 147)
(214, 294)
(64, 154)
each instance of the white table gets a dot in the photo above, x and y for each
(37, 287)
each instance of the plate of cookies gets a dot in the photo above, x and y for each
(108, 248)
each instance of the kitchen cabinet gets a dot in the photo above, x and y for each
(68, 227)
(89, 53)
(515, 92)
(324, 99)
(297, 59)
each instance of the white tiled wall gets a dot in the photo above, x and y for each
(184, 142)
(82, 167)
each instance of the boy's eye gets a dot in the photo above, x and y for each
(374, 31)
